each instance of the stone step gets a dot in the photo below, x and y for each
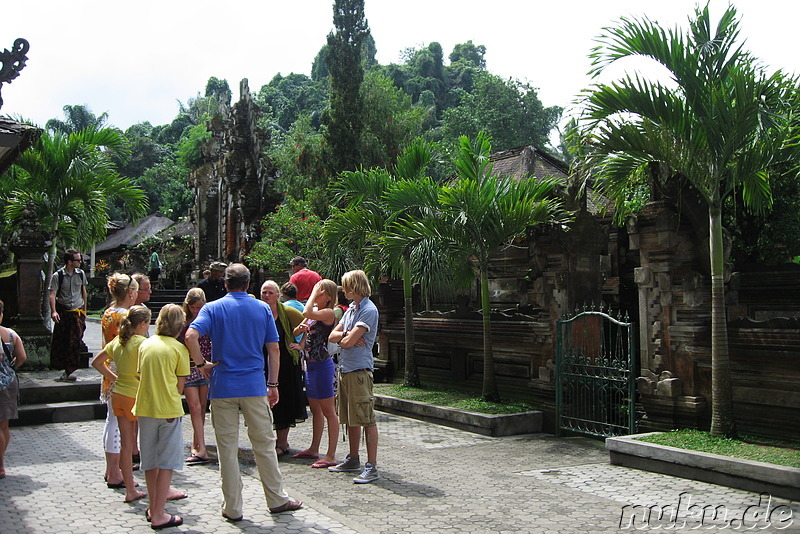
(58, 392)
(59, 412)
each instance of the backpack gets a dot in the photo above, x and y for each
(62, 274)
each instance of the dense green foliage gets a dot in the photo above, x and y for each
(510, 112)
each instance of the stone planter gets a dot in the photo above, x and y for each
(480, 423)
(777, 480)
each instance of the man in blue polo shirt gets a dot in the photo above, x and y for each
(240, 326)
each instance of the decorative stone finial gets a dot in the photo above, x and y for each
(13, 61)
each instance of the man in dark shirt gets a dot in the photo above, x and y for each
(214, 285)
(68, 311)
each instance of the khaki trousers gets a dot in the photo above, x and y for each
(258, 418)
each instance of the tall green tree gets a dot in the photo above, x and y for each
(71, 179)
(345, 121)
(720, 124)
(476, 217)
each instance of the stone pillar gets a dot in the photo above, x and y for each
(29, 246)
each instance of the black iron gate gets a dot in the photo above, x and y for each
(595, 374)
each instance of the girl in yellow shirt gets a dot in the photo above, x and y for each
(123, 350)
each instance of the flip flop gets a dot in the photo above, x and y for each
(306, 454)
(120, 485)
(322, 464)
(283, 450)
(232, 519)
(178, 496)
(174, 521)
(197, 460)
(142, 496)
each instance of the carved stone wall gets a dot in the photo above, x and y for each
(233, 187)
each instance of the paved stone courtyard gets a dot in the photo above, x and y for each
(434, 479)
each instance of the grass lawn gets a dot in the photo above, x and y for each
(748, 448)
(451, 397)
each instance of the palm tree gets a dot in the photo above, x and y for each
(77, 118)
(720, 124)
(475, 218)
(71, 180)
(377, 200)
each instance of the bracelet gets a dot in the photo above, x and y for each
(272, 384)
(203, 364)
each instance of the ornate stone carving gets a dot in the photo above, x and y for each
(12, 61)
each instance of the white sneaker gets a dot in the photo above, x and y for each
(369, 474)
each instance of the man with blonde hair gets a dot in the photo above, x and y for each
(356, 334)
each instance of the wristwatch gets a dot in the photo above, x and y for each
(198, 365)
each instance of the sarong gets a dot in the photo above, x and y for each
(67, 343)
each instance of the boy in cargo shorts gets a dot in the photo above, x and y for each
(356, 334)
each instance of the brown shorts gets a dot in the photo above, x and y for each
(355, 401)
(122, 406)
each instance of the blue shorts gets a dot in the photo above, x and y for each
(319, 379)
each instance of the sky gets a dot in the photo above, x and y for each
(137, 60)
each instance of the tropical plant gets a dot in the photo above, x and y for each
(76, 119)
(476, 217)
(719, 123)
(291, 230)
(377, 200)
(71, 179)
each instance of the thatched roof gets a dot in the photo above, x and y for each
(527, 161)
(15, 138)
(179, 229)
(133, 234)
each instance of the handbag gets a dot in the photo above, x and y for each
(7, 374)
(334, 348)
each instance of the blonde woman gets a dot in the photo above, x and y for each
(123, 350)
(163, 368)
(196, 386)
(319, 321)
(123, 290)
(291, 406)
